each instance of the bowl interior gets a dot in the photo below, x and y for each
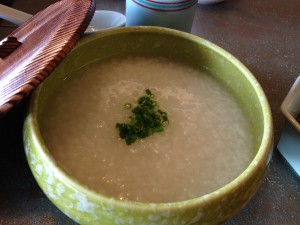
(174, 45)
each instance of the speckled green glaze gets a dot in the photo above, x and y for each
(87, 207)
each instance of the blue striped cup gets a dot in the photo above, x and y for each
(176, 14)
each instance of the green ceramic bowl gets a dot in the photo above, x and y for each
(88, 207)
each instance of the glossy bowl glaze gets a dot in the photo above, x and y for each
(88, 207)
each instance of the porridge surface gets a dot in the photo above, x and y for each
(207, 143)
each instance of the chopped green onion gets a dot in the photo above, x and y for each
(147, 119)
(127, 105)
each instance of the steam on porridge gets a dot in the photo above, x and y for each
(207, 143)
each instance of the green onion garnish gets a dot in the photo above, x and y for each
(147, 119)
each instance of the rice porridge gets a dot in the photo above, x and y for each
(207, 143)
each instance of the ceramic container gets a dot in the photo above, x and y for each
(289, 144)
(176, 14)
(105, 19)
(88, 207)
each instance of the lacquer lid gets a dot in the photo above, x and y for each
(32, 51)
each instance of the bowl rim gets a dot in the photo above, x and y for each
(263, 153)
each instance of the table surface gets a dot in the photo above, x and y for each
(262, 34)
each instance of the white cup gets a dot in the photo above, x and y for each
(105, 19)
(176, 14)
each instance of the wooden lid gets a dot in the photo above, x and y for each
(31, 52)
